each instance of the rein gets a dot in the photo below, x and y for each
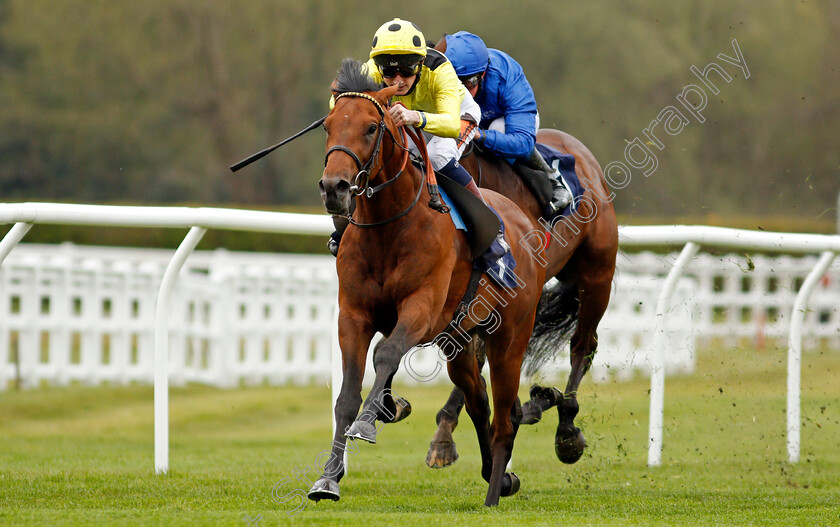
(364, 168)
(471, 150)
(360, 187)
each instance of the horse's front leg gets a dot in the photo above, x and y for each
(392, 407)
(412, 324)
(354, 333)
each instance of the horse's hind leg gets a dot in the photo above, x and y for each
(442, 451)
(569, 441)
(504, 378)
(466, 375)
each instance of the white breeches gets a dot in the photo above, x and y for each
(444, 149)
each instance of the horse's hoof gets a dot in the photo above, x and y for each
(403, 409)
(510, 484)
(541, 400)
(531, 414)
(569, 444)
(361, 430)
(441, 454)
(324, 489)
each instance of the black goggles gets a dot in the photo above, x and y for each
(389, 72)
(471, 81)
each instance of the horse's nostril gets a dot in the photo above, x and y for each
(342, 187)
(335, 187)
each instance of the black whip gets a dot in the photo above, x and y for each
(262, 153)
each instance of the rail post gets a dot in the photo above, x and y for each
(162, 347)
(794, 381)
(657, 373)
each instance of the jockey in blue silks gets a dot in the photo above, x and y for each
(509, 118)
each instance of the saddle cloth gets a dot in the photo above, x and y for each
(565, 164)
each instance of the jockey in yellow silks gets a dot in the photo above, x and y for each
(431, 98)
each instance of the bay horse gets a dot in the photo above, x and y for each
(580, 252)
(403, 270)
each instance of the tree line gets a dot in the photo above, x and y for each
(150, 102)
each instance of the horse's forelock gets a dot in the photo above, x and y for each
(353, 76)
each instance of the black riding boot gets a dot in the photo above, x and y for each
(340, 223)
(544, 182)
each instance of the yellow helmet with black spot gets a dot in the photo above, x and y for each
(398, 37)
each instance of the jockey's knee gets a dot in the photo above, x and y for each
(442, 153)
(438, 162)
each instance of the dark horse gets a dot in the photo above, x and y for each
(403, 269)
(580, 253)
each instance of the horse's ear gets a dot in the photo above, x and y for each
(333, 87)
(441, 45)
(385, 94)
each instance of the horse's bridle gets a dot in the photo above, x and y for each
(360, 188)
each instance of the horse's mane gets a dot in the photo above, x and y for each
(353, 76)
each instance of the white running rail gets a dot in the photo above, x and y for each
(692, 236)
(198, 220)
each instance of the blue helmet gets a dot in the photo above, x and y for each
(467, 53)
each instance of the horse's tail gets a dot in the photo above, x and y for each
(557, 315)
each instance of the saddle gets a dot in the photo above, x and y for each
(488, 248)
(481, 223)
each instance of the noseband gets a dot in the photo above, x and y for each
(361, 187)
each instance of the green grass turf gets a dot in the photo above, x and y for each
(84, 456)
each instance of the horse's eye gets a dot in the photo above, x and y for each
(371, 129)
